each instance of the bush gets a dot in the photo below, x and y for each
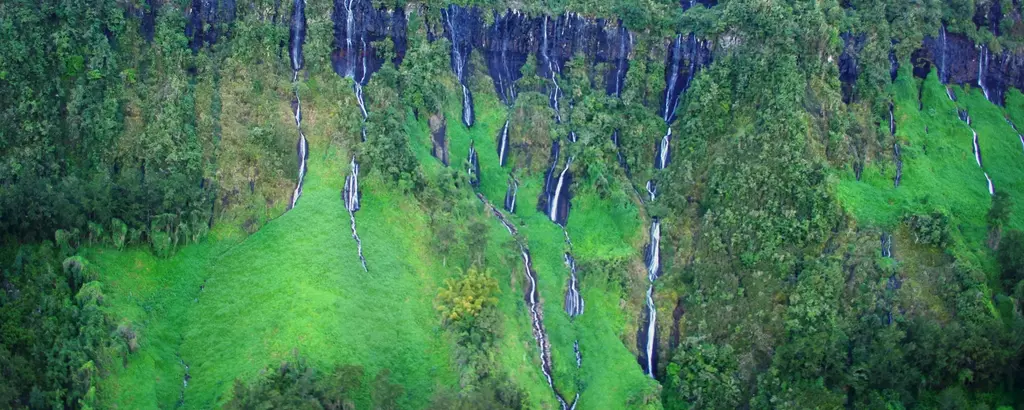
(931, 229)
(161, 242)
(118, 233)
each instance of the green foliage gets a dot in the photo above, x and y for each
(702, 376)
(930, 229)
(1011, 257)
(298, 385)
(55, 339)
(464, 297)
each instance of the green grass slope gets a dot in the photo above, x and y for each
(602, 231)
(939, 170)
(295, 285)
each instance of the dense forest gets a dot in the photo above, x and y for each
(495, 204)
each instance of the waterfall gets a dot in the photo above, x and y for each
(892, 121)
(653, 256)
(356, 26)
(982, 67)
(461, 49)
(652, 190)
(474, 166)
(991, 189)
(886, 245)
(1018, 132)
(669, 106)
(503, 145)
(350, 195)
(510, 195)
(532, 298)
(663, 153)
(297, 35)
(579, 357)
(553, 70)
(573, 301)
(623, 61)
(303, 152)
(506, 45)
(943, 67)
(554, 213)
(977, 150)
(296, 38)
(894, 64)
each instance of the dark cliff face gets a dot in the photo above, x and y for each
(356, 26)
(208, 14)
(953, 54)
(848, 70)
(297, 35)
(959, 61)
(620, 45)
(687, 55)
(506, 46)
(148, 25)
(989, 17)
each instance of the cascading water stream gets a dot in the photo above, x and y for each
(886, 240)
(1021, 137)
(896, 156)
(350, 195)
(532, 298)
(553, 213)
(652, 190)
(297, 36)
(553, 69)
(573, 301)
(474, 165)
(648, 336)
(503, 145)
(510, 195)
(976, 148)
(982, 68)
(663, 157)
(461, 48)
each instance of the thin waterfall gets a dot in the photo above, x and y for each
(503, 145)
(556, 213)
(664, 151)
(652, 190)
(474, 165)
(982, 68)
(510, 195)
(892, 121)
(886, 240)
(579, 356)
(573, 301)
(896, 156)
(1015, 130)
(671, 96)
(350, 195)
(977, 149)
(297, 36)
(532, 298)
(943, 63)
(648, 336)
(454, 18)
(553, 70)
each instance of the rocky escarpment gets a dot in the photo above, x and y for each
(204, 21)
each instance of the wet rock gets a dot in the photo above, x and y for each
(848, 69)
(438, 129)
